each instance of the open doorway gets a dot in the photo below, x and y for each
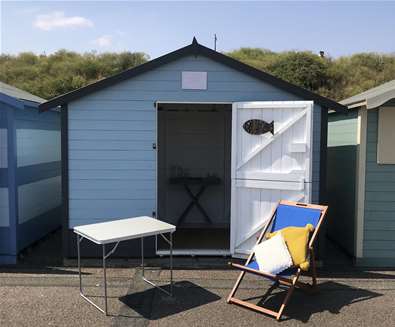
(194, 182)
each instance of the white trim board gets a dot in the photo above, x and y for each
(192, 102)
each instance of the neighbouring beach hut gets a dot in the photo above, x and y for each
(361, 176)
(194, 138)
(30, 181)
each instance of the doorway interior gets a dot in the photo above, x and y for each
(194, 176)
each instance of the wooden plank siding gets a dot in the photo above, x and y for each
(341, 174)
(29, 175)
(379, 226)
(112, 166)
(38, 180)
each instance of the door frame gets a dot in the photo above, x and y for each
(309, 127)
(192, 252)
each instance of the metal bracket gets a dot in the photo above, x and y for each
(166, 239)
(112, 251)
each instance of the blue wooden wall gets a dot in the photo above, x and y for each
(379, 223)
(37, 174)
(112, 166)
(7, 186)
(341, 173)
(30, 180)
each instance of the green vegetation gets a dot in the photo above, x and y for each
(51, 75)
(334, 78)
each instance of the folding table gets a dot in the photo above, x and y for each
(123, 230)
(203, 183)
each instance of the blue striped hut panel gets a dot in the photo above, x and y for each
(4, 198)
(37, 137)
(112, 167)
(38, 153)
(6, 237)
(4, 207)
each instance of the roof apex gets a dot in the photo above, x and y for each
(194, 49)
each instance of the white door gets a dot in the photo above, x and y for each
(271, 160)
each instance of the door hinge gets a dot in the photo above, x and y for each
(154, 146)
(153, 214)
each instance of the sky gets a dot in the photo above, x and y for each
(156, 28)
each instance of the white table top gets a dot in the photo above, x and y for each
(123, 229)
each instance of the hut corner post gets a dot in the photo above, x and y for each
(65, 179)
(323, 198)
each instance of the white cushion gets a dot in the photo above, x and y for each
(272, 255)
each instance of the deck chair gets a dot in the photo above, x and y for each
(286, 214)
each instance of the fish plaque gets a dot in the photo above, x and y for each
(258, 127)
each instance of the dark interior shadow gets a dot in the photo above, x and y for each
(331, 297)
(153, 304)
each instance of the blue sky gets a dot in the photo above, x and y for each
(338, 28)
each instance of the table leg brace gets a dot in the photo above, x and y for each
(170, 242)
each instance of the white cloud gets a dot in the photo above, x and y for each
(120, 33)
(57, 19)
(103, 41)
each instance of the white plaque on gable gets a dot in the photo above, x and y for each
(194, 80)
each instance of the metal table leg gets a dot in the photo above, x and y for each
(170, 242)
(171, 264)
(104, 278)
(79, 239)
(105, 256)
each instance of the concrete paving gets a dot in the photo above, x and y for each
(50, 297)
(43, 290)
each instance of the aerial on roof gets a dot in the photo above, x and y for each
(372, 98)
(193, 49)
(19, 94)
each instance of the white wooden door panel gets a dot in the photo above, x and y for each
(270, 185)
(253, 206)
(294, 175)
(269, 167)
(271, 152)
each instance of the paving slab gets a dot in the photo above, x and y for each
(339, 308)
(40, 299)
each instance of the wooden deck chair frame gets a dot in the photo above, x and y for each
(293, 282)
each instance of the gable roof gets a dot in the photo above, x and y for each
(193, 49)
(372, 98)
(19, 94)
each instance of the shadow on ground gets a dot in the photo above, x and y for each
(153, 304)
(302, 305)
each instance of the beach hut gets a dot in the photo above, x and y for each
(194, 138)
(361, 176)
(30, 189)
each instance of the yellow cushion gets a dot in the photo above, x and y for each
(297, 239)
